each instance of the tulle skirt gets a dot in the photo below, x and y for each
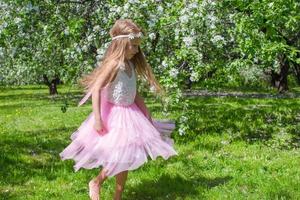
(129, 140)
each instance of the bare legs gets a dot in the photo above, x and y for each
(120, 184)
(97, 182)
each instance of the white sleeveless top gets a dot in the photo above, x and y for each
(122, 90)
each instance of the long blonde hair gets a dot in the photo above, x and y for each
(105, 71)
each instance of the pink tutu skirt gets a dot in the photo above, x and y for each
(129, 140)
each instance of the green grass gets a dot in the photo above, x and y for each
(236, 151)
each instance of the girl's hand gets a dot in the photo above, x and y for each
(99, 127)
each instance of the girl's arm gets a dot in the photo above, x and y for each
(96, 91)
(141, 104)
(96, 103)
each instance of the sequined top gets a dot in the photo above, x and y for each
(122, 90)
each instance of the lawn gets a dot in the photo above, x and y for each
(240, 148)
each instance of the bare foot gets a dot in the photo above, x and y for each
(94, 190)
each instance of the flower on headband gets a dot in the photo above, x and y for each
(131, 36)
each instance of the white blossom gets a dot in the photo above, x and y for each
(96, 28)
(17, 20)
(184, 18)
(183, 118)
(1, 52)
(211, 18)
(188, 40)
(98, 57)
(276, 65)
(85, 48)
(112, 9)
(90, 38)
(231, 16)
(218, 38)
(194, 76)
(224, 142)
(160, 9)
(208, 2)
(133, 1)
(118, 9)
(66, 31)
(152, 89)
(78, 49)
(143, 5)
(194, 5)
(212, 25)
(164, 64)
(4, 25)
(151, 23)
(271, 4)
(29, 6)
(174, 72)
(176, 31)
(152, 36)
(200, 56)
(126, 6)
(100, 53)
(181, 131)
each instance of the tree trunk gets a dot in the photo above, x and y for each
(284, 71)
(53, 88)
(52, 85)
(297, 72)
(274, 79)
(188, 83)
(280, 81)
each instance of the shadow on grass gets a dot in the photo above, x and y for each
(250, 120)
(168, 187)
(24, 87)
(31, 154)
(41, 96)
(36, 100)
(204, 93)
(5, 195)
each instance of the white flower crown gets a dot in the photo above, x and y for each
(130, 36)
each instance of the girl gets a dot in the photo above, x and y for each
(119, 134)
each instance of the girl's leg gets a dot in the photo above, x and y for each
(120, 183)
(101, 177)
(95, 184)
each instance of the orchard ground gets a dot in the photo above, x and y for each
(240, 148)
